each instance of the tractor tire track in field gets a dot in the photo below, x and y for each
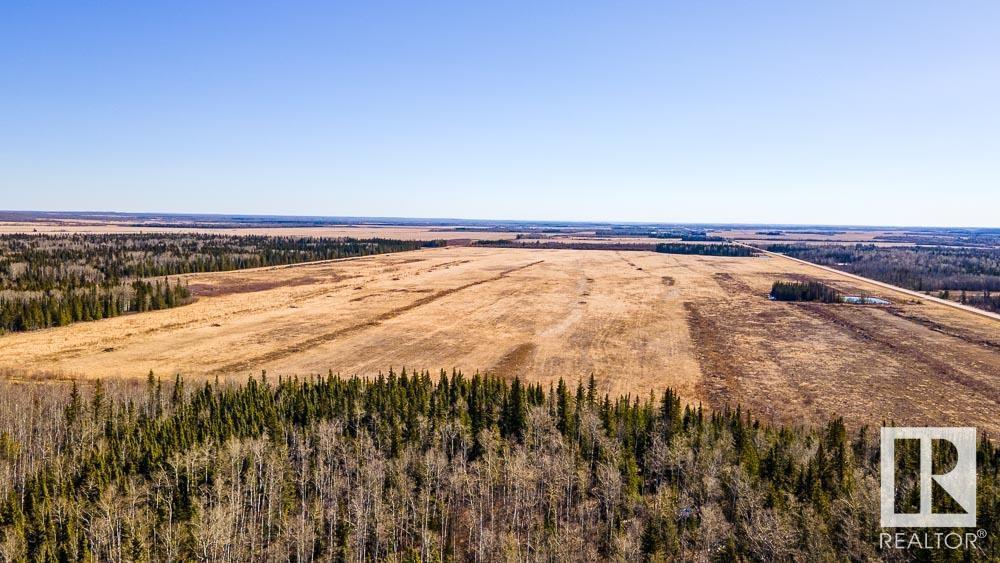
(353, 329)
(904, 351)
(721, 373)
(943, 329)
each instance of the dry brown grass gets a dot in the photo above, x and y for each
(637, 320)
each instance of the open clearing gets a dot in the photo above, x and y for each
(637, 320)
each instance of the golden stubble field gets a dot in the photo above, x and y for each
(639, 321)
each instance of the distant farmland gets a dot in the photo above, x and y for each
(638, 321)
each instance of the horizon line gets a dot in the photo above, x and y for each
(454, 221)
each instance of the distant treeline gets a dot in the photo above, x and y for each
(706, 249)
(682, 234)
(414, 467)
(974, 271)
(53, 280)
(704, 238)
(780, 233)
(804, 291)
(947, 237)
(557, 245)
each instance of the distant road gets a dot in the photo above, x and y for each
(925, 297)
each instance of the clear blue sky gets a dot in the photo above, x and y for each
(794, 112)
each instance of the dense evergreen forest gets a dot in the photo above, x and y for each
(415, 467)
(706, 249)
(970, 274)
(804, 291)
(53, 280)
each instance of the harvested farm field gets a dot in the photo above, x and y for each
(639, 321)
(331, 231)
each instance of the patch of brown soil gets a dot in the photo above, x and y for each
(238, 285)
(732, 284)
(720, 373)
(515, 361)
